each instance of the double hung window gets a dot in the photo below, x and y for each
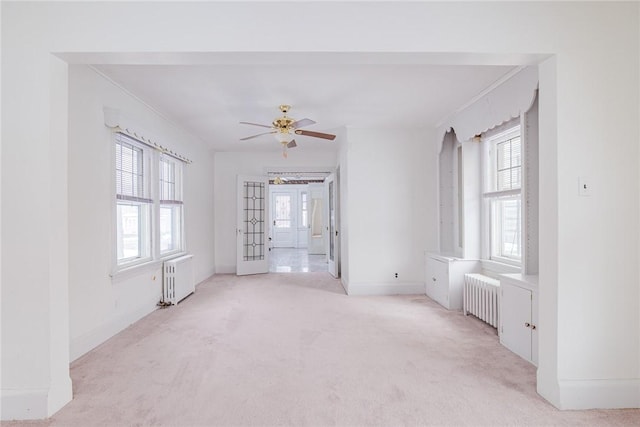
(503, 182)
(133, 201)
(170, 205)
(148, 203)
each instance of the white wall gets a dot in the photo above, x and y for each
(228, 165)
(589, 284)
(391, 222)
(100, 306)
(343, 211)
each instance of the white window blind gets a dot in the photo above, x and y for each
(131, 182)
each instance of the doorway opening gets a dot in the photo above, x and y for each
(298, 221)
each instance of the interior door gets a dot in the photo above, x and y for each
(252, 255)
(333, 240)
(515, 315)
(283, 217)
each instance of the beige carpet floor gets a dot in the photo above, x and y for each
(293, 349)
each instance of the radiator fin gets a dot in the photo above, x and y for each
(481, 298)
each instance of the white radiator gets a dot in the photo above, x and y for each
(178, 281)
(480, 298)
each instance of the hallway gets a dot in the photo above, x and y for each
(295, 260)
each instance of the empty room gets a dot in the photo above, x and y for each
(320, 213)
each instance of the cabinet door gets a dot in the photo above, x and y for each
(516, 315)
(438, 281)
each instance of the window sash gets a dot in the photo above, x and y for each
(506, 232)
(503, 185)
(170, 220)
(133, 233)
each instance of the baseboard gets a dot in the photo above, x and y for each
(386, 288)
(225, 269)
(32, 404)
(35, 403)
(599, 394)
(90, 340)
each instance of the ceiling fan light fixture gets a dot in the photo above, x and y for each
(283, 137)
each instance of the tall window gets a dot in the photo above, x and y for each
(170, 174)
(133, 201)
(149, 207)
(503, 178)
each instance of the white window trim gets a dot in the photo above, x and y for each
(505, 131)
(147, 154)
(122, 270)
(179, 192)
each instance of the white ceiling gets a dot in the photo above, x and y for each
(209, 100)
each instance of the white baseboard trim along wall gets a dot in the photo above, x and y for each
(386, 288)
(592, 394)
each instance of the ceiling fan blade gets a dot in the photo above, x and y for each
(255, 136)
(256, 124)
(292, 144)
(302, 122)
(315, 134)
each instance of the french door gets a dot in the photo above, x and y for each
(252, 252)
(333, 240)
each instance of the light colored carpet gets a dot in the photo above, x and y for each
(293, 349)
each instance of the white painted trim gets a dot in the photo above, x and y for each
(21, 404)
(597, 394)
(225, 269)
(60, 393)
(387, 288)
(345, 284)
(90, 340)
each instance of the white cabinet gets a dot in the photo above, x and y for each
(519, 315)
(445, 279)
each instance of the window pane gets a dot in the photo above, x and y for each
(129, 231)
(304, 214)
(170, 228)
(506, 223)
(282, 211)
(167, 179)
(129, 170)
(508, 164)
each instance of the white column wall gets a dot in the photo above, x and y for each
(388, 225)
(589, 127)
(228, 165)
(100, 306)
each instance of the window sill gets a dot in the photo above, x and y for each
(152, 265)
(493, 268)
(171, 255)
(128, 272)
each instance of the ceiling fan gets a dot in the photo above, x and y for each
(285, 128)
